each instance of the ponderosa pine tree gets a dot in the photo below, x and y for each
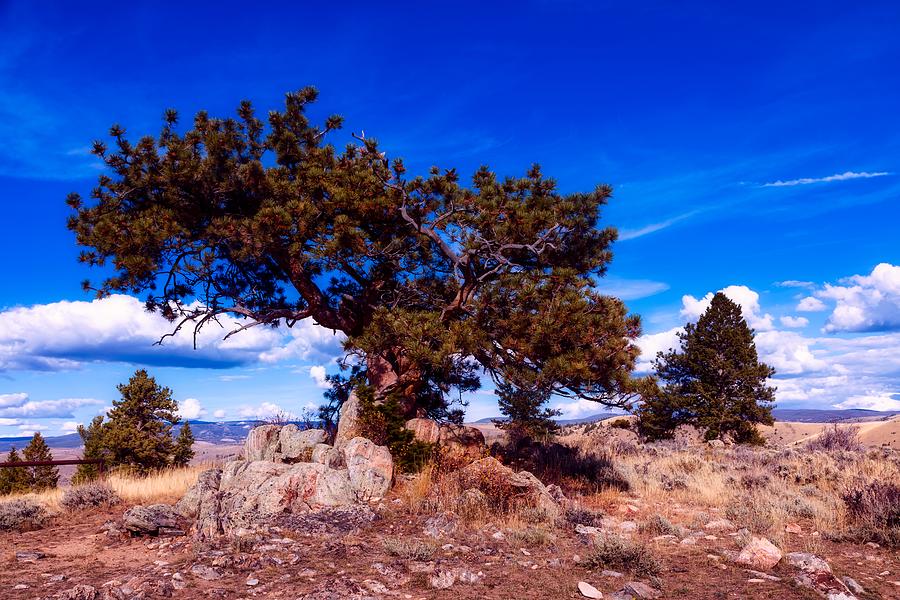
(714, 381)
(92, 449)
(525, 412)
(43, 477)
(13, 480)
(184, 446)
(431, 282)
(138, 433)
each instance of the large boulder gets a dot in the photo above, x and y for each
(370, 467)
(202, 503)
(455, 440)
(814, 573)
(759, 554)
(155, 519)
(348, 421)
(262, 443)
(520, 488)
(296, 445)
(328, 456)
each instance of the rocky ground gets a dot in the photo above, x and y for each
(387, 552)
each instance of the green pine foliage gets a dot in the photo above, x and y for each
(715, 381)
(14, 480)
(138, 432)
(526, 416)
(383, 423)
(184, 446)
(43, 477)
(434, 281)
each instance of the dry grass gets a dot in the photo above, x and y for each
(166, 486)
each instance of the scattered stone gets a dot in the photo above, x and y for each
(20, 586)
(441, 526)
(148, 520)
(30, 556)
(853, 585)
(252, 581)
(760, 553)
(793, 528)
(814, 573)
(609, 573)
(719, 525)
(588, 591)
(642, 591)
(628, 526)
(688, 541)
(716, 444)
(80, 592)
(205, 572)
(443, 580)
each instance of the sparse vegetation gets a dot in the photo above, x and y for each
(22, 514)
(615, 552)
(874, 510)
(90, 495)
(835, 438)
(408, 548)
(659, 525)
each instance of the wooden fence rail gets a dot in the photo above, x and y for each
(53, 463)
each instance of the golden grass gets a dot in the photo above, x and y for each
(166, 486)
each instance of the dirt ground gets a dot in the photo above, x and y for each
(306, 563)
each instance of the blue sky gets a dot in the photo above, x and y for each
(747, 147)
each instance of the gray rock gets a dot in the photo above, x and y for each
(207, 483)
(30, 556)
(80, 592)
(642, 591)
(262, 443)
(328, 456)
(147, 520)
(853, 585)
(348, 421)
(205, 572)
(815, 574)
(760, 554)
(588, 591)
(296, 445)
(371, 468)
(443, 580)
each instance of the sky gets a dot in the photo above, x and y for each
(754, 150)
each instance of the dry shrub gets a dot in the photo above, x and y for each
(577, 515)
(837, 439)
(530, 536)
(659, 525)
(22, 514)
(753, 512)
(614, 552)
(91, 495)
(573, 469)
(874, 511)
(408, 548)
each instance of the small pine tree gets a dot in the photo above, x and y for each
(139, 430)
(715, 381)
(45, 477)
(525, 412)
(13, 480)
(92, 440)
(184, 443)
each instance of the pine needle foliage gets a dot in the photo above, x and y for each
(714, 381)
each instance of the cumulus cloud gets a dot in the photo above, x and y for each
(4, 422)
(64, 335)
(317, 373)
(31, 428)
(652, 344)
(69, 427)
(190, 408)
(867, 302)
(748, 300)
(219, 414)
(788, 352)
(793, 322)
(846, 175)
(810, 304)
(263, 411)
(26, 408)
(874, 400)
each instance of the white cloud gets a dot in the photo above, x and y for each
(867, 303)
(263, 411)
(4, 422)
(654, 343)
(748, 300)
(317, 373)
(64, 335)
(31, 428)
(794, 322)
(788, 352)
(69, 427)
(9, 400)
(794, 283)
(872, 401)
(190, 408)
(578, 408)
(810, 304)
(61, 408)
(228, 378)
(837, 177)
(630, 234)
(219, 414)
(630, 289)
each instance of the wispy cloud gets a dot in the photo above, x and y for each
(836, 177)
(630, 234)
(631, 289)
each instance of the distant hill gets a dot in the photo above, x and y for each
(589, 419)
(812, 415)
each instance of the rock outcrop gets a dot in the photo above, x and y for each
(292, 471)
(814, 573)
(348, 421)
(155, 519)
(456, 440)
